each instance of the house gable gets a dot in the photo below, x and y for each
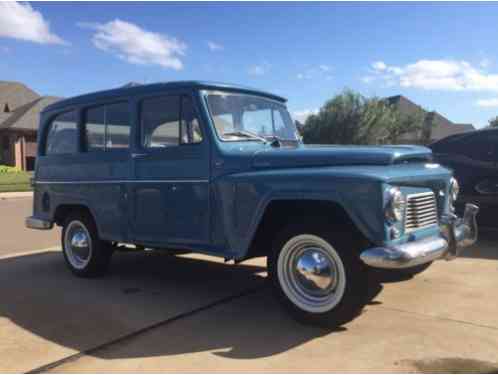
(14, 95)
(442, 127)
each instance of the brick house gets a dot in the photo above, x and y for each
(20, 109)
(442, 127)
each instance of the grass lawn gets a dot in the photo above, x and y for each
(15, 182)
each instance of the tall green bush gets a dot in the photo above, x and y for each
(351, 118)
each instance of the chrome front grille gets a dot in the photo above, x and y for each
(421, 211)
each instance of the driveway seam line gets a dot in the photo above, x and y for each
(29, 252)
(146, 329)
(440, 318)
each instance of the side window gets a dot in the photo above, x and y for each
(190, 127)
(160, 122)
(118, 125)
(95, 129)
(62, 137)
(480, 147)
(107, 127)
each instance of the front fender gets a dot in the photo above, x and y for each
(246, 197)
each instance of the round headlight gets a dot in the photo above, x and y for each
(395, 204)
(453, 192)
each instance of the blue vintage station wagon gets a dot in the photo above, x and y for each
(221, 169)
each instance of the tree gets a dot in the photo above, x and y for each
(350, 118)
(493, 123)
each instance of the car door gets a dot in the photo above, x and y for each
(473, 159)
(170, 189)
(105, 164)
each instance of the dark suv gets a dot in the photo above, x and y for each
(473, 157)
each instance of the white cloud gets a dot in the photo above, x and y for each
(379, 66)
(485, 63)
(324, 68)
(435, 75)
(301, 116)
(135, 45)
(21, 21)
(487, 103)
(260, 69)
(215, 46)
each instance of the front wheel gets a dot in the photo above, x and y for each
(317, 275)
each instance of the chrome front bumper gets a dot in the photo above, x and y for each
(455, 234)
(35, 223)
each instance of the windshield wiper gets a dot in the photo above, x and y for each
(245, 133)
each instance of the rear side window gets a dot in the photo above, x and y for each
(62, 137)
(95, 129)
(107, 127)
(118, 125)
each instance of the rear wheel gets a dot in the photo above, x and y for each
(84, 252)
(317, 275)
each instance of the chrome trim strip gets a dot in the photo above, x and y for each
(421, 211)
(407, 255)
(455, 234)
(117, 182)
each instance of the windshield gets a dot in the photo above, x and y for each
(241, 117)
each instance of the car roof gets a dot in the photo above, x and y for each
(455, 137)
(138, 89)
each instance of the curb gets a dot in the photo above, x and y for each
(16, 195)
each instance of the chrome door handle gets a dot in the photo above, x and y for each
(135, 155)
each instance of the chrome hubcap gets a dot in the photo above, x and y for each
(311, 273)
(315, 271)
(77, 244)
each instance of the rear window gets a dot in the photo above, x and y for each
(62, 137)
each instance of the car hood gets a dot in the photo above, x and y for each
(318, 155)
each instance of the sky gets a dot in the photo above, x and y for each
(443, 57)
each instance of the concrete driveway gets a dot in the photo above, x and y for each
(160, 313)
(14, 236)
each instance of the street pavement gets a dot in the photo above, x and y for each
(14, 236)
(156, 312)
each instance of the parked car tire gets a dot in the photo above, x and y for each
(85, 253)
(317, 275)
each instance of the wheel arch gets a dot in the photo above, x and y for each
(64, 209)
(278, 213)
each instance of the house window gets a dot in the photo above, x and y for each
(6, 108)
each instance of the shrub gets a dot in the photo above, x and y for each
(351, 118)
(7, 169)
